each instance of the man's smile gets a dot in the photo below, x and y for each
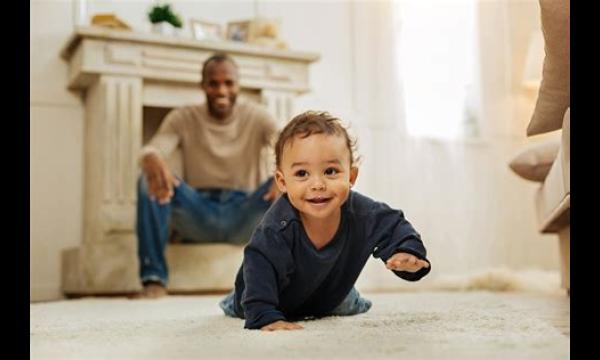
(221, 101)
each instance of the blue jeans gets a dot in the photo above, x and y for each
(199, 216)
(353, 304)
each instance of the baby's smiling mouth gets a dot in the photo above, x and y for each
(319, 200)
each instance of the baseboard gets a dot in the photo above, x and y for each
(41, 293)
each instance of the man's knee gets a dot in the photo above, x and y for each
(143, 188)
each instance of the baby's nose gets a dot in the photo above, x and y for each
(318, 184)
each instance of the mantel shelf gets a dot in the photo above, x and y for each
(231, 47)
(95, 51)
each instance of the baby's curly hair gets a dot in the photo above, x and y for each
(314, 122)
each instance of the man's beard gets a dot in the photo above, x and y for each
(220, 112)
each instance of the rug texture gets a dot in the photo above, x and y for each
(415, 325)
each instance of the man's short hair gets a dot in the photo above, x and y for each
(216, 58)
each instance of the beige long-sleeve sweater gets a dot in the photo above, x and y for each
(223, 154)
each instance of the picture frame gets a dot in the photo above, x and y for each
(205, 30)
(240, 31)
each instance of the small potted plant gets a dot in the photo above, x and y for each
(164, 20)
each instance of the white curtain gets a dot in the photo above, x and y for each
(437, 47)
(417, 66)
(377, 90)
(472, 212)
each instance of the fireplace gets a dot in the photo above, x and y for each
(129, 81)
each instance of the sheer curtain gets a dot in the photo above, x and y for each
(431, 76)
(417, 67)
(427, 176)
(437, 53)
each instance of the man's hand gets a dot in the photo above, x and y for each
(273, 193)
(159, 178)
(406, 262)
(281, 325)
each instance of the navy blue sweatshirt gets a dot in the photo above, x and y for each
(284, 277)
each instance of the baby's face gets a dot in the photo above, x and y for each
(316, 174)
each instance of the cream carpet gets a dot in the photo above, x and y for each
(405, 325)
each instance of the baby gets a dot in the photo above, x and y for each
(306, 254)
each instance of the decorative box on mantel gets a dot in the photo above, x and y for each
(129, 81)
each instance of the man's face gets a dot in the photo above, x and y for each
(221, 87)
(317, 176)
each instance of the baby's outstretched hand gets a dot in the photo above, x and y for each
(281, 325)
(405, 262)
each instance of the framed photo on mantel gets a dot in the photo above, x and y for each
(204, 30)
(240, 31)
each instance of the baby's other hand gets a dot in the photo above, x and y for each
(281, 325)
(405, 262)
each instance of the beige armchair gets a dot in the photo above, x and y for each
(553, 200)
(549, 162)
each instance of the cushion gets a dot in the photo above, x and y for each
(535, 161)
(554, 93)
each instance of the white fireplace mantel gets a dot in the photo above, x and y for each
(121, 72)
(158, 59)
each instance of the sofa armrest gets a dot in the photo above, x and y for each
(553, 200)
(566, 150)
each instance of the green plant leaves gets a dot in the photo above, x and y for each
(164, 13)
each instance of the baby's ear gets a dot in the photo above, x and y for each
(280, 181)
(353, 175)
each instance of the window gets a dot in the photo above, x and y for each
(437, 54)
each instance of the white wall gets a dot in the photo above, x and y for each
(56, 150)
(472, 212)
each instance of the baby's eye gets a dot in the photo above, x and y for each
(331, 171)
(301, 173)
